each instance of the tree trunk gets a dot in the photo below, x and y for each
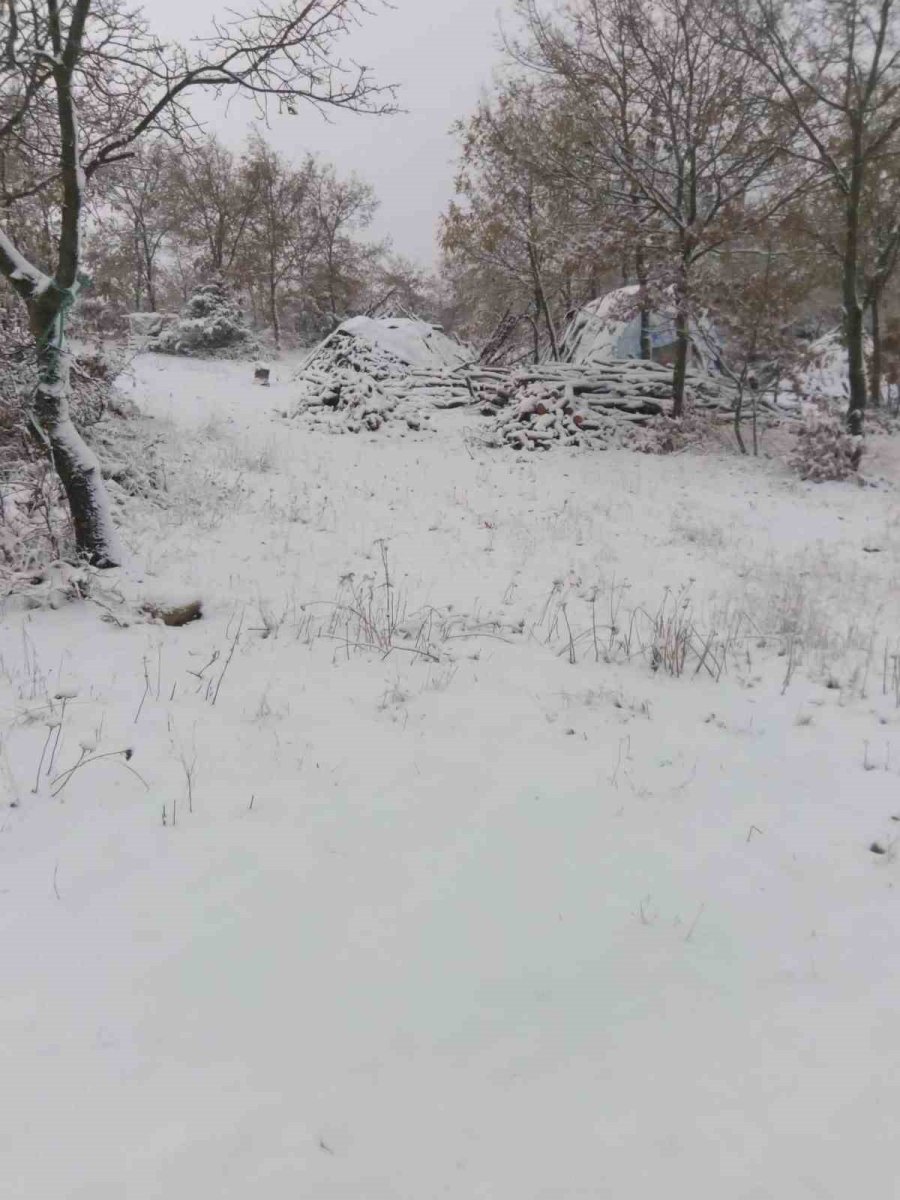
(854, 329)
(50, 420)
(646, 334)
(877, 370)
(646, 338)
(540, 297)
(738, 413)
(273, 313)
(682, 345)
(151, 284)
(47, 301)
(537, 335)
(755, 416)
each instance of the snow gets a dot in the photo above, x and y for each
(824, 376)
(20, 270)
(478, 922)
(411, 342)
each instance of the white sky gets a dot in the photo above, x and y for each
(440, 52)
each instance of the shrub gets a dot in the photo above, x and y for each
(824, 450)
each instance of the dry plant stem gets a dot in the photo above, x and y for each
(188, 768)
(450, 637)
(388, 590)
(146, 692)
(385, 652)
(37, 777)
(234, 643)
(572, 656)
(62, 717)
(695, 922)
(789, 673)
(65, 776)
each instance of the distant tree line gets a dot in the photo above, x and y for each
(288, 238)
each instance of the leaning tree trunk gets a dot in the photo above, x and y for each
(48, 300)
(75, 463)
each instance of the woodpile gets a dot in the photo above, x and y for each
(358, 400)
(350, 385)
(372, 371)
(535, 407)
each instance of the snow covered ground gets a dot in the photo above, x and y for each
(466, 919)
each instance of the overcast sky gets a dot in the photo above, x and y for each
(440, 52)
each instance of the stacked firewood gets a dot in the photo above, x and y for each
(531, 407)
(535, 407)
(352, 384)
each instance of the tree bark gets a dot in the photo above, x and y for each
(877, 368)
(646, 334)
(755, 417)
(273, 313)
(854, 329)
(540, 297)
(535, 329)
(738, 414)
(76, 465)
(682, 344)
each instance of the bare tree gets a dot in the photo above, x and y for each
(213, 198)
(283, 232)
(81, 82)
(819, 221)
(835, 66)
(682, 138)
(754, 295)
(518, 225)
(135, 216)
(343, 207)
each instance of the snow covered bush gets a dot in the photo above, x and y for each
(824, 450)
(35, 529)
(17, 377)
(210, 325)
(143, 327)
(665, 435)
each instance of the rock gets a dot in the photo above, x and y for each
(175, 615)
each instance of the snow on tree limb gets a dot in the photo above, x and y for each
(27, 280)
